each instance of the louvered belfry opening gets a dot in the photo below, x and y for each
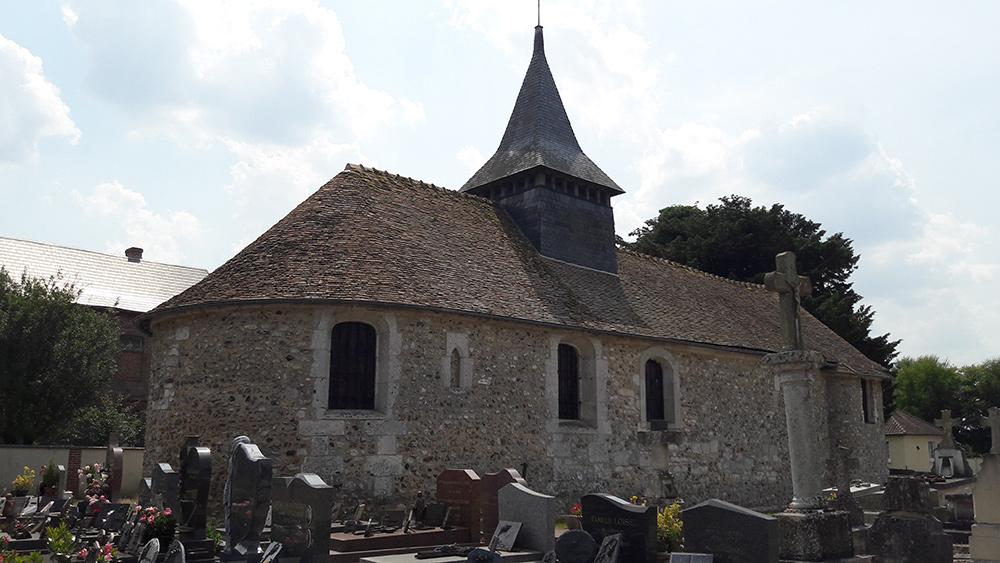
(655, 408)
(353, 349)
(569, 382)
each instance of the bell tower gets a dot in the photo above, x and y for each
(558, 197)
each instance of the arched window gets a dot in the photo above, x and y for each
(456, 369)
(569, 382)
(352, 366)
(655, 396)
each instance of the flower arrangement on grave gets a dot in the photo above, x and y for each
(50, 478)
(96, 504)
(21, 531)
(106, 552)
(669, 528)
(576, 510)
(574, 519)
(160, 524)
(21, 485)
(97, 479)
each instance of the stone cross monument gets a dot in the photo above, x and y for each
(946, 423)
(791, 287)
(993, 421)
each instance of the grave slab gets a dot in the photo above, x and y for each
(731, 533)
(604, 515)
(535, 512)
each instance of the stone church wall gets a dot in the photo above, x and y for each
(261, 371)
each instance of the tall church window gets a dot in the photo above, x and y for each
(569, 382)
(866, 401)
(655, 397)
(456, 369)
(352, 366)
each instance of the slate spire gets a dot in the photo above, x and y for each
(539, 133)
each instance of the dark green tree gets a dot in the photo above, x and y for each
(56, 357)
(94, 423)
(739, 241)
(927, 385)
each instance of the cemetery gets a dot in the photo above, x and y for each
(397, 372)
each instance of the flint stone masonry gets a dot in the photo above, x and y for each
(261, 371)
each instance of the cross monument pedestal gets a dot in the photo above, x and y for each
(984, 544)
(806, 532)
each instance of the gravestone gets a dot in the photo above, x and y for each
(114, 463)
(112, 517)
(301, 516)
(459, 489)
(175, 553)
(609, 552)
(146, 491)
(604, 515)
(246, 497)
(164, 486)
(575, 546)
(535, 512)
(490, 484)
(949, 461)
(907, 532)
(505, 535)
(434, 515)
(730, 533)
(61, 487)
(150, 551)
(195, 478)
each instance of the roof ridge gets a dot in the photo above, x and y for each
(692, 269)
(99, 253)
(361, 168)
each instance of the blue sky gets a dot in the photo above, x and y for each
(189, 127)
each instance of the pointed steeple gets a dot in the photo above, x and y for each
(539, 134)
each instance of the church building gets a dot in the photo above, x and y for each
(387, 329)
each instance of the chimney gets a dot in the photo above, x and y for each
(134, 254)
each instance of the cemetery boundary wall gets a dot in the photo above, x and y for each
(13, 458)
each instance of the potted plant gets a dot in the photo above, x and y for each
(160, 524)
(574, 520)
(50, 480)
(669, 530)
(21, 485)
(60, 541)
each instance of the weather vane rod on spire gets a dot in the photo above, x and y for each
(539, 13)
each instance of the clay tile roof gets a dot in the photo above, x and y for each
(903, 423)
(539, 133)
(373, 237)
(103, 280)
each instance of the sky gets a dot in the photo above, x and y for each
(189, 127)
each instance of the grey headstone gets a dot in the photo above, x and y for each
(605, 515)
(164, 487)
(150, 551)
(301, 517)
(535, 512)
(114, 464)
(176, 553)
(731, 533)
(195, 478)
(247, 497)
(575, 546)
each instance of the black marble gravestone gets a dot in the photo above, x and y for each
(164, 486)
(195, 478)
(246, 498)
(731, 533)
(604, 515)
(300, 519)
(575, 546)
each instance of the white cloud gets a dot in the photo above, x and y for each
(30, 106)
(256, 71)
(161, 235)
(470, 158)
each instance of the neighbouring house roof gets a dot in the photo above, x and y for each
(373, 237)
(902, 423)
(104, 280)
(539, 133)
